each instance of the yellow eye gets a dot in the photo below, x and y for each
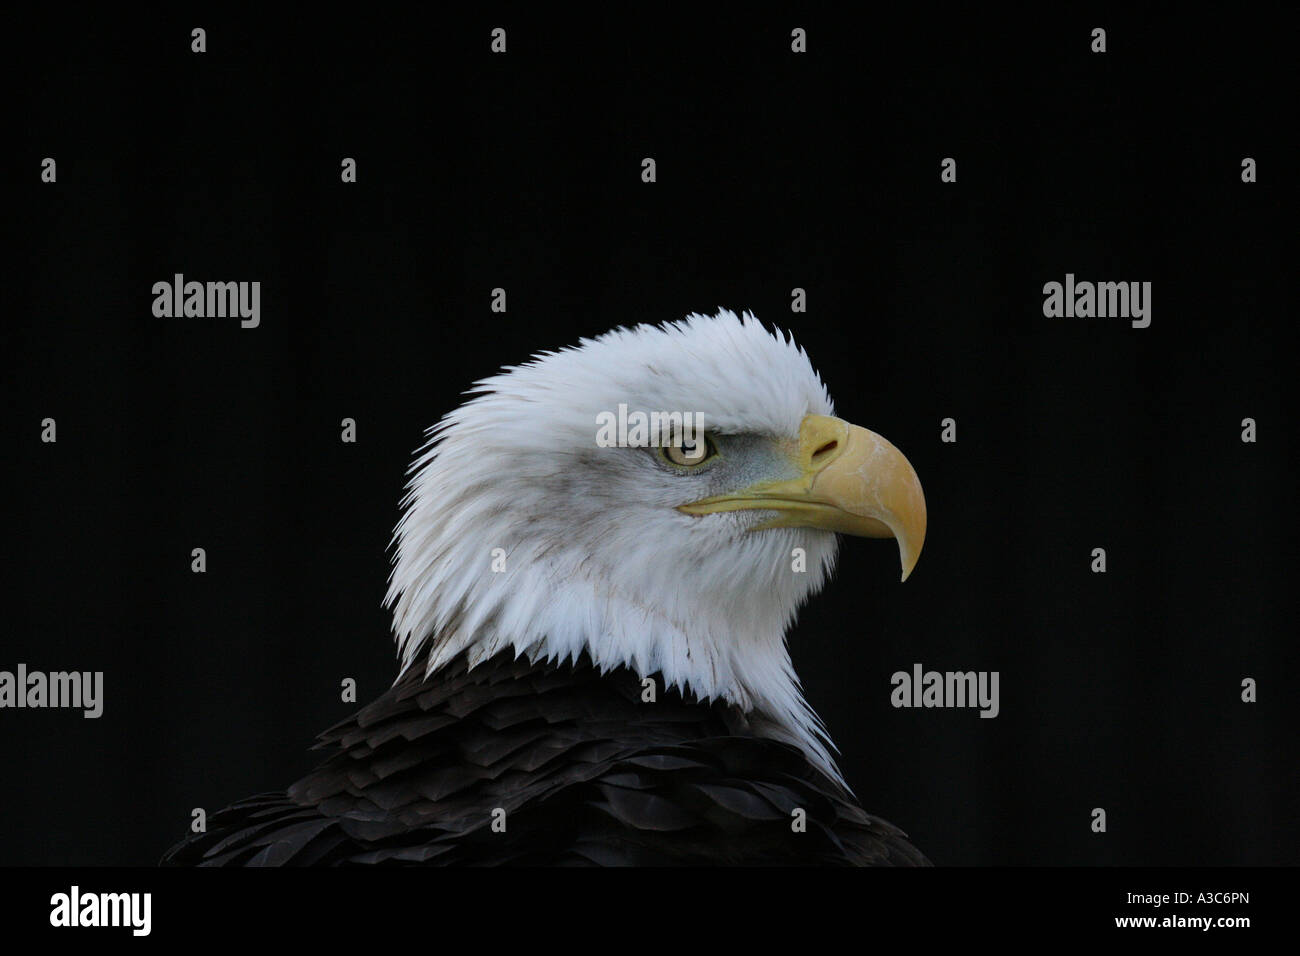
(688, 452)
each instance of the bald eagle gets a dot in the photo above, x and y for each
(592, 634)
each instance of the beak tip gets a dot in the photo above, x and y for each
(909, 562)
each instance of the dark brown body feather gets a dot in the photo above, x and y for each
(584, 770)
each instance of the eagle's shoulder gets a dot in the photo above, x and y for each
(542, 763)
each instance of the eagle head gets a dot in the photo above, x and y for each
(564, 509)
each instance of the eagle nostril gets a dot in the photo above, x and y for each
(824, 451)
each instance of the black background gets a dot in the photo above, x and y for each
(775, 171)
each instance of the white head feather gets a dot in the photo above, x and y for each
(597, 557)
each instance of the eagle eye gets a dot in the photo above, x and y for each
(689, 452)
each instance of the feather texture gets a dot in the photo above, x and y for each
(577, 766)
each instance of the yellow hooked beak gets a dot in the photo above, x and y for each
(850, 480)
